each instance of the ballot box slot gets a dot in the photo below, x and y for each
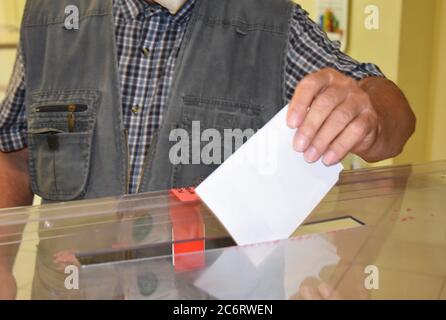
(164, 249)
(328, 225)
(343, 218)
(145, 251)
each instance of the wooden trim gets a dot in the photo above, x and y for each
(8, 46)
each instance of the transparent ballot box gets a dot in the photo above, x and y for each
(379, 234)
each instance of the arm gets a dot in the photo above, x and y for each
(336, 114)
(14, 179)
(14, 183)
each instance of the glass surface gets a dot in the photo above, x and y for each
(379, 234)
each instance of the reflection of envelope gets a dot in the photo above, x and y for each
(305, 259)
(245, 273)
(268, 271)
(155, 279)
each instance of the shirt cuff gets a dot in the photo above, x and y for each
(13, 139)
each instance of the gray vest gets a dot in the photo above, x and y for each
(229, 74)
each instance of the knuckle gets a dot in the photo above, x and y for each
(332, 74)
(307, 130)
(339, 147)
(372, 117)
(362, 99)
(325, 100)
(309, 81)
(320, 143)
(351, 82)
(342, 116)
(325, 70)
(359, 128)
(329, 71)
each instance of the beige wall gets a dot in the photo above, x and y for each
(414, 72)
(10, 17)
(437, 113)
(378, 46)
(7, 58)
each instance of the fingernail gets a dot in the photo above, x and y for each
(330, 158)
(301, 143)
(311, 155)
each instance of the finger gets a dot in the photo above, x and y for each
(336, 122)
(353, 135)
(310, 293)
(307, 89)
(325, 291)
(321, 108)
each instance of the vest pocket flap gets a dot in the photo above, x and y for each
(220, 113)
(61, 129)
(59, 163)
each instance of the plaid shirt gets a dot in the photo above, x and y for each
(148, 40)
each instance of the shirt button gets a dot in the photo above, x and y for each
(145, 51)
(135, 110)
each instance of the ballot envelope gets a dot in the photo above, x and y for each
(379, 234)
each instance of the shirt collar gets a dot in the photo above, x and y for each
(133, 9)
(184, 13)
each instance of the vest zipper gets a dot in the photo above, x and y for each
(63, 108)
(71, 109)
(71, 117)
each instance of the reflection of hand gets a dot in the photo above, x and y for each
(8, 286)
(65, 258)
(315, 289)
(322, 292)
(349, 287)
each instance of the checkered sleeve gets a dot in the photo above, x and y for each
(13, 127)
(310, 50)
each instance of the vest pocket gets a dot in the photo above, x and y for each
(241, 119)
(60, 139)
(59, 164)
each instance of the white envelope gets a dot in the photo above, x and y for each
(265, 190)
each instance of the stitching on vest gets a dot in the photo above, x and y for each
(58, 20)
(240, 23)
(41, 94)
(195, 100)
(291, 7)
